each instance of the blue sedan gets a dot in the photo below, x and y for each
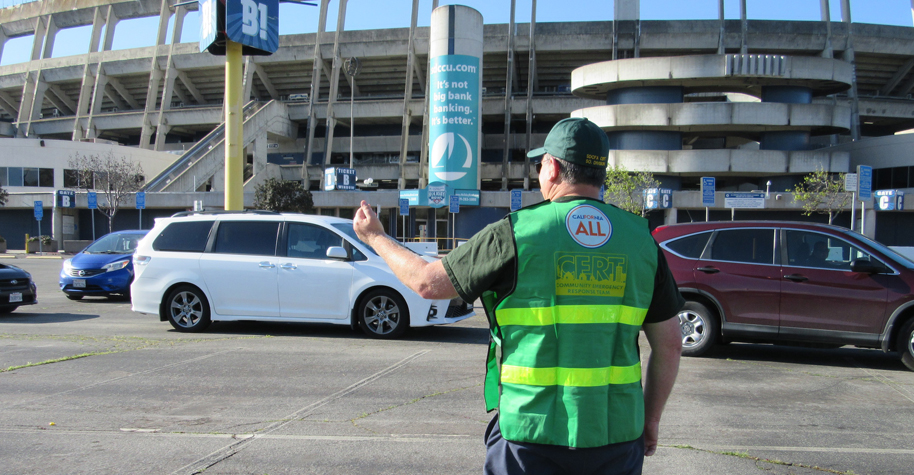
(103, 268)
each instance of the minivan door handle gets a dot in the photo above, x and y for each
(267, 265)
(796, 277)
(708, 270)
(288, 266)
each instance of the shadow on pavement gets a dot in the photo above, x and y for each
(437, 334)
(846, 356)
(23, 316)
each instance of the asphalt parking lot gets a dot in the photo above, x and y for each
(91, 387)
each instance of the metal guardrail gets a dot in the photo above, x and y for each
(196, 152)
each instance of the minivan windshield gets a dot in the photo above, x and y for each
(348, 230)
(114, 244)
(898, 258)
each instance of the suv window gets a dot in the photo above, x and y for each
(689, 246)
(808, 249)
(183, 237)
(754, 246)
(307, 241)
(246, 237)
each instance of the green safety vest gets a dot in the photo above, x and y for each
(570, 370)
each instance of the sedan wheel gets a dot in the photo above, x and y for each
(699, 329)
(187, 309)
(383, 314)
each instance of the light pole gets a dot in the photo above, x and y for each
(768, 189)
(353, 67)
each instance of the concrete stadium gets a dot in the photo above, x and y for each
(746, 101)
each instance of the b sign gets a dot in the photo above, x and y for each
(66, 199)
(252, 23)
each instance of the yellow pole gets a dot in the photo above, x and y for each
(234, 136)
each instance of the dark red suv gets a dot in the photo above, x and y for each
(766, 281)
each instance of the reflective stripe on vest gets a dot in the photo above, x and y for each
(577, 377)
(582, 314)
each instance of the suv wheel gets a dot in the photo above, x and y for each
(905, 344)
(699, 329)
(187, 309)
(383, 314)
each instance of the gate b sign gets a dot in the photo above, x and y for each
(253, 23)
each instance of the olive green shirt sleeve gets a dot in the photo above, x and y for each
(485, 262)
(667, 301)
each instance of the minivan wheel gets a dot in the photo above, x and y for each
(383, 314)
(905, 344)
(187, 309)
(699, 329)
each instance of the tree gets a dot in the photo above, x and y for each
(823, 193)
(4, 195)
(279, 195)
(114, 178)
(625, 189)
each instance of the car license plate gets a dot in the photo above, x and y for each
(16, 297)
(79, 283)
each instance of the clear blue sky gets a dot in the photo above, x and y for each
(366, 14)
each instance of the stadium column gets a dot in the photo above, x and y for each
(423, 154)
(171, 73)
(531, 85)
(334, 82)
(88, 80)
(155, 78)
(316, 71)
(49, 36)
(509, 78)
(850, 58)
(408, 94)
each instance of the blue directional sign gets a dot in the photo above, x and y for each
(66, 199)
(92, 198)
(141, 200)
(39, 211)
(517, 198)
(708, 183)
(864, 182)
(454, 204)
(404, 207)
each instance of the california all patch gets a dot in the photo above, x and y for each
(588, 226)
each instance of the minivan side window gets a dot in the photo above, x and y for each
(308, 241)
(753, 246)
(690, 246)
(256, 238)
(183, 237)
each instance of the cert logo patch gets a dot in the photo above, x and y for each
(588, 226)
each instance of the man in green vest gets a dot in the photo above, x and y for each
(567, 285)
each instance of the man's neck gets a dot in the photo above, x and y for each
(562, 189)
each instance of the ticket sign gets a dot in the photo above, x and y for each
(253, 23)
(339, 178)
(66, 199)
(658, 198)
(890, 200)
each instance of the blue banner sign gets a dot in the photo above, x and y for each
(467, 197)
(209, 22)
(454, 120)
(413, 197)
(658, 198)
(890, 200)
(253, 23)
(864, 182)
(708, 183)
(66, 199)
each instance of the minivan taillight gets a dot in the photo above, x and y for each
(141, 260)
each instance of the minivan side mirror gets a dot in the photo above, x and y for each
(867, 266)
(337, 252)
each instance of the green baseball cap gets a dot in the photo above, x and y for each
(576, 140)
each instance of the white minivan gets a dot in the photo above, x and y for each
(198, 267)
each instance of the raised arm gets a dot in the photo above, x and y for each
(428, 279)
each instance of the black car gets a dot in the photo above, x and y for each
(16, 288)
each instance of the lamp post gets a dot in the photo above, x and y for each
(353, 67)
(768, 189)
